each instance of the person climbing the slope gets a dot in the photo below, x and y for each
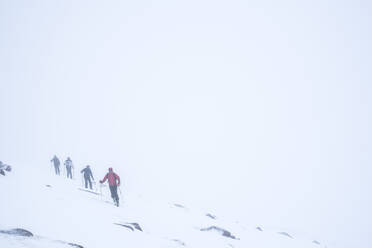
(4, 167)
(69, 167)
(56, 164)
(87, 176)
(114, 182)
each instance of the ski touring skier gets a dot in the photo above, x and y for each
(69, 167)
(56, 164)
(114, 183)
(87, 173)
(4, 167)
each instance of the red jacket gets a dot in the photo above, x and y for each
(112, 177)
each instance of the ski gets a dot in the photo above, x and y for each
(89, 191)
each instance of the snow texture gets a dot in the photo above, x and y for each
(43, 210)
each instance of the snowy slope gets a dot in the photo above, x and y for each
(58, 213)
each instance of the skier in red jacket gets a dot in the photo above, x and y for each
(114, 182)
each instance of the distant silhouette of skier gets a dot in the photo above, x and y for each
(69, 167)
(56, 164)
(87, 176)
(4, 167)
(114, 182)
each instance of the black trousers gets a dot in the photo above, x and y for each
(69, 173)
(114, 192)
(87, 180)
(56, 167)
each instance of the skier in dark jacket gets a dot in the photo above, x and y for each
(114, 182)
(56, 164)
(69, 167)
(87, 176)
(4, 167)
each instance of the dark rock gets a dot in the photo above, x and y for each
(285, 234)
(131, 226)
(18, 232)
(75, 245)
(136, 226)
(223, 232)
(211, 216)
(48, 186)
(25, 233)
(179, 205)
(127, 226)
(179, 242)
(68, 243)
(259, 229)
(316, 242)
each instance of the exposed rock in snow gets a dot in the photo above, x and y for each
(179, 205)
(27, 239)
(211, 216)
(131, 226)
(179, 242)
(220, 230)
(136, 226)
(126, 226)
(285, 234)
(72, 244)
(17, 232)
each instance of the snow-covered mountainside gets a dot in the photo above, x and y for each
(39, 209)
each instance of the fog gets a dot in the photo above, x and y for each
(256, 110)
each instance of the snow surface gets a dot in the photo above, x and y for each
(57, 213)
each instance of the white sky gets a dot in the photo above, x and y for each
(255, 109)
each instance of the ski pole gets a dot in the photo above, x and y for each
(119, 190)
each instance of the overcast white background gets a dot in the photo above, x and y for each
(257, 110)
